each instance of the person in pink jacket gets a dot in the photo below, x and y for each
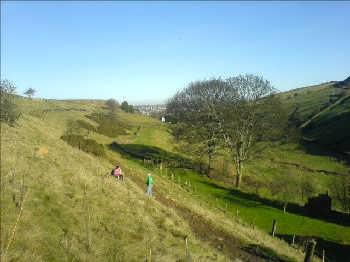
(118, 173)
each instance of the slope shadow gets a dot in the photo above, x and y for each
(154, 154)
(265, 253)
(333, 251)
(256, 200)
(314, 148)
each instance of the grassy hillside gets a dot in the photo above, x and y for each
(276, 162)
(59, 203)
(323, 113)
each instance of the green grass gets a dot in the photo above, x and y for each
(329, 128)
(56, 209)
(258, 213)
(73, 209)
(266, 168)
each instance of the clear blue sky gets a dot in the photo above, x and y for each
(145, 52)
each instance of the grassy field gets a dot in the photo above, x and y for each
(60, 204)
(78, 207)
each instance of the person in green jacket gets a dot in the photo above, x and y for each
(149, 183)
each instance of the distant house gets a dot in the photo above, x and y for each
(320, 205)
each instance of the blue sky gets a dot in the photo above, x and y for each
(145, 52)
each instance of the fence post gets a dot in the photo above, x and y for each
(188, 255)
(274, 226)
(323, 255)
(310, 249)
(293, 240)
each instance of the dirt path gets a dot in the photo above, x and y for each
(340, 100)
(204, 230)
(312, 170)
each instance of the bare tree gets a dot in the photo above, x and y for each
(306, 186)
(341, 192)
(112, 105)
(30, 92)
(253, 113)
(195, 107)
(239, 111)
(285, 189)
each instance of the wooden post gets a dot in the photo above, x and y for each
(323, 255)
(188, 255)
(310, 249)
(274, 226)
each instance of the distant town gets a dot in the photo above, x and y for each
(150, 109)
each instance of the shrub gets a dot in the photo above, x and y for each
(109, 124)
(87, 145)
(85, 125)
(126, 107)
(9, 110)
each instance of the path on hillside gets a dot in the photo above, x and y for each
(306, 168)
(340, 100)
(204, 230)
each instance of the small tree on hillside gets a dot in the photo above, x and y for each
(112, 105)
(9, 110)
(30, 92)
(126, 107)
(285, 189)
(341, 192)
(307, 187)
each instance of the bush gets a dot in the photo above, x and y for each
(127, 108)
(85, 125)
(87, 145)
(109, 124)
(9, 110)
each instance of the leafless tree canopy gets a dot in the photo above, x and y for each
(238, 110)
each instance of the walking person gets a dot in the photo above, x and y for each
(149, 183)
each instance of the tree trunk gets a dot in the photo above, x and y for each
(285, 207)
(238, 173)
(209, 164)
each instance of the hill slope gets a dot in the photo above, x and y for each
(59, 203)
(323, 113)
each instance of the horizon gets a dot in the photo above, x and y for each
(144, 52)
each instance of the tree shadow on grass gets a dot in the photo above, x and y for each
(333, 251)
(254, 200)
